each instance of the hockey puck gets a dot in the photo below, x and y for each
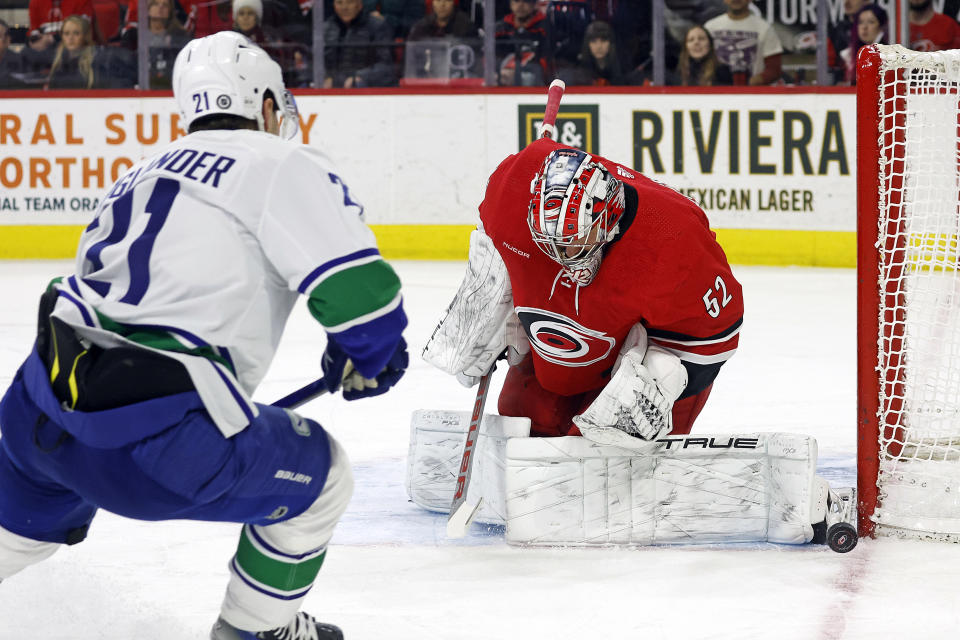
(842, 537)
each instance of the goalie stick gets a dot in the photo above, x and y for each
(461, 511)
(554, 93)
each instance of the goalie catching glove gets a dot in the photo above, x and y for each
(338, 371)
(637, 404)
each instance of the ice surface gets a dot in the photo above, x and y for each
(391, 574)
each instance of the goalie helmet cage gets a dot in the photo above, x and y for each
(908, 283)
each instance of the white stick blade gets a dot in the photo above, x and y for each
(459, 521)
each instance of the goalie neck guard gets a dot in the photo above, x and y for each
(227, 74)
(574, 209)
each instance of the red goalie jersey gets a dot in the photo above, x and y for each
(664, 270)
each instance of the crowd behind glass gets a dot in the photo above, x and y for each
(96, 44)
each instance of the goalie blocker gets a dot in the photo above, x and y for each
(569, 491)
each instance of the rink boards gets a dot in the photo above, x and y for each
(773, 168)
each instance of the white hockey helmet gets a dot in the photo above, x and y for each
(225, 73)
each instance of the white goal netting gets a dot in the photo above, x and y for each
(919, 287)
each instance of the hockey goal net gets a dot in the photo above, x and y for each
(908, 116)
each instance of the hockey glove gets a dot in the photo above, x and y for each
(637, 404)
(517, 348)
(480, 322)
(338, 371)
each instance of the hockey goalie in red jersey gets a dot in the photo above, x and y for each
(608, 291)
(616, 308)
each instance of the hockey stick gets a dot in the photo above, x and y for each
(554, 93)
(461, 511)
(303, 395)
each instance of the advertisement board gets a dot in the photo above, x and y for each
(767, 161)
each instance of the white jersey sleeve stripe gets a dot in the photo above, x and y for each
(699, 343)
(336, 265)
(373, 315)
(697, 358)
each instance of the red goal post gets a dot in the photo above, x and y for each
(908, 292)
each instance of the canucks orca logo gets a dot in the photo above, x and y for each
(560, 340)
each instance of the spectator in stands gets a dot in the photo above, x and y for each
(598, 62)
(698, 65)
(838, 39)
(357, 48)
(747, 44)
(530, 74)
(680, 15)
(128, 35)
(522, 34)
(165, 37)
(299, 74)
(839, 34)
(247, 19)
(567, 24)
(73, 63)
(10, 63)
(208, 16)
(37, 57)
(931, 31)
(462, 52)
(401, 15)
(47, 17)
(445, 20)
(871, 24)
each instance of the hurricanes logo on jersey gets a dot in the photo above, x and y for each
(560, 340)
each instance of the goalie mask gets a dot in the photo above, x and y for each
(225, 73)
(574, 211)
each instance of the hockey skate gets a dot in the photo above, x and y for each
(302, 627)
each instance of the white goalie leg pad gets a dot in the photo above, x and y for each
(473, 331)
(681, 490)
(436, 446)
(18, 553)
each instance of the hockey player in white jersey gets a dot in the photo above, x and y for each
(137, 395)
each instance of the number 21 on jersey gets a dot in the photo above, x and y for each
(139, 247)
